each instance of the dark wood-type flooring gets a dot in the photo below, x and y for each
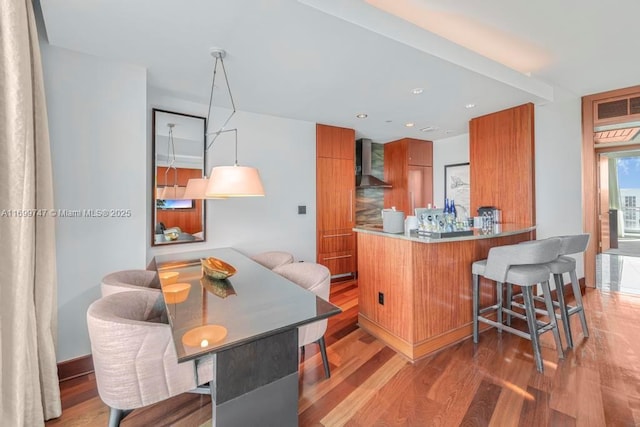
(494, 383)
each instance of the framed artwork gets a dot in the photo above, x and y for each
(458, 187)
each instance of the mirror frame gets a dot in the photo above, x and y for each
(154, 178)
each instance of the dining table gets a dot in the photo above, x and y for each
(246, 325)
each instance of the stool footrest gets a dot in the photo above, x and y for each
(504, 327)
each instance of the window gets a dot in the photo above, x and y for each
(630, 212)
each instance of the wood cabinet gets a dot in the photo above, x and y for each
(335, 199)
(502, 157)
(408, 167)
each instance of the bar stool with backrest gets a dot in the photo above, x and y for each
(564, 264)
(523, 265)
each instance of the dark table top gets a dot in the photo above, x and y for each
(212, 315)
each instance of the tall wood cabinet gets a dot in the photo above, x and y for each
(502, 157)
(335, 199)
(408, 167)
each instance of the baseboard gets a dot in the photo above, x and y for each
(73, 368)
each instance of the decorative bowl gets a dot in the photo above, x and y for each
(220, 288)
(215, 268)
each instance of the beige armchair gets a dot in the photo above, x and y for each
(130, 280)
(273, 259)
(134, 355)
(317, 279)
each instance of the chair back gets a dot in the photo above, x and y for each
(574, 244)
(501, 258)
(273, 259)
(130, 280)
(133, 353)
(315, 278)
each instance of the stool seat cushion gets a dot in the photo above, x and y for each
(478, 267)
(563, 264)
(527, 275)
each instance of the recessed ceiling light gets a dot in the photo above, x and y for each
(429, 128)
(417, 91)
(361, 116)
(470, 106)
(409, 125)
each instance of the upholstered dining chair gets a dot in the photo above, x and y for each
(273, 259)
(134, 355)
(130, 280)
(315, 278)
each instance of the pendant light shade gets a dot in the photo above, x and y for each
(234, 181)
(174, 192)
(196, 188)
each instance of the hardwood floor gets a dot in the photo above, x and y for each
(494, 383)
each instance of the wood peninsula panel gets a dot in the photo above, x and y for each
(387, 269)
(427, 290)
(502, 168)
(189, 220)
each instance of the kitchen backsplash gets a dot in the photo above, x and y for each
(370, 201)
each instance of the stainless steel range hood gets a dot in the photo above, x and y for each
(364, 179)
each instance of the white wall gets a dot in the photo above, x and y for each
(447, 151)
(283, 150)
(558, 133)
(96, 114)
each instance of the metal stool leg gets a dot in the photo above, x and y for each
(527, 295)
(578, 296)
(499, 304)
(564, 315)
(476, 305)
(509, 297)
(546, 293)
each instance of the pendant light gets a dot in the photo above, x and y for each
(171, 192)
(236, 180)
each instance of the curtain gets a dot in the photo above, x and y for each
(614, 194)
(28, 297)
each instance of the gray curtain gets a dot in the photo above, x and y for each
(28, 297)
(614, 194)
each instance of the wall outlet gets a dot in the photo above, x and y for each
(302, 210)
(380, 298)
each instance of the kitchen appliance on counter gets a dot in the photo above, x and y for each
(493, 214)
(392, 221)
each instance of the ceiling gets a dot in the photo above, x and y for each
(327, 60)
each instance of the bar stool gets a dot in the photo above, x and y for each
(564, 264)
(523, 265)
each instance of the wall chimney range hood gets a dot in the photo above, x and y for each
(364, 179)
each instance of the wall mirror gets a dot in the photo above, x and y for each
(178, 155)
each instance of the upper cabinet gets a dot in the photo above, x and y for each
(335, 199)
(335, 143)
(502, 168)
(408, 167)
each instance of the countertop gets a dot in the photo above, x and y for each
(499, 230)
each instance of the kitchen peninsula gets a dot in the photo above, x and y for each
(415, 293)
